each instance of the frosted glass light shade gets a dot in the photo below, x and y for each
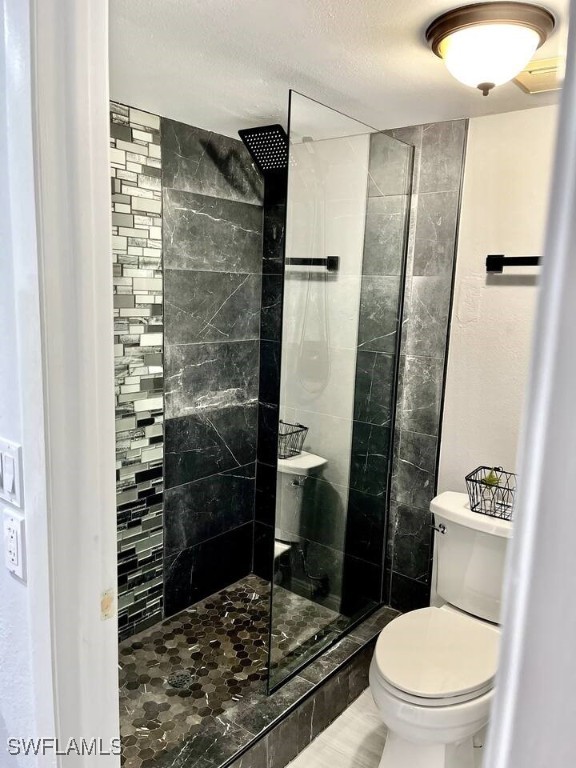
(488, 53)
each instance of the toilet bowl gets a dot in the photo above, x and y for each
(433, 670)
(432, 678)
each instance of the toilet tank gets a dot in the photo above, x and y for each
(296, 501)
(470, 556)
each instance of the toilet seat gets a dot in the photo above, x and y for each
(427, 701)
(436, 657)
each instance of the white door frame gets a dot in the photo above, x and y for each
(535, 710)
(533, 722)
(70, 108)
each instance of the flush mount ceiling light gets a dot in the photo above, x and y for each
(487, 44)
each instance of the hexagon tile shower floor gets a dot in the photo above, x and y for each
(177, 677)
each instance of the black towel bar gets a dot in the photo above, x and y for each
(495, 263)
(331, 263)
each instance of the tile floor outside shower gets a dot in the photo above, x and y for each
(181, 679)
(354, 740)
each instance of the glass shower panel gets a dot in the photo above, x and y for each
(346, 232)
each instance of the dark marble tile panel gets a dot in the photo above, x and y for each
(412, 542)
(325, 563)
(390, 530)
(324, 510)
(415, 479)
(359, 671)
(369, 458)
(411, 135)
(194, 160)
(365, 523)
(255, 757)
(442, 155)
(374, 624)
(435, 236)
(377, 327)
(271, 320)
(283, 742)
(263, 562)
(361, 587)
(202, 377)
(373, 388)
(274, 230)
(332, 698)
(211, 306)
(426, 317)
(384, 236)
(388, 167)
(270, 357)
(330, 660)
(208, 233)
(268, 433)
(386, 585)
(206, 508)
(199, 571)
(319, 710)
(256, 713)
(420, 394)
(265, 504)
(204, 747)
(407, 594)
(205, 444)
(350, 585)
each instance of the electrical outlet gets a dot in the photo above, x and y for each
(14, 543)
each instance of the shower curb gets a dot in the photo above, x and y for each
(337, 678)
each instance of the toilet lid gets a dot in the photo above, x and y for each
(437, 653)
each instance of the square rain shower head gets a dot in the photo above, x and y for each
(268, 146)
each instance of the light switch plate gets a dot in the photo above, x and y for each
(11, 473)
(14, 542)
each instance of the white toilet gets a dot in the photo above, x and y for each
(292, 495)
(432, 673)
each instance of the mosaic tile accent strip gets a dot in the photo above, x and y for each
(136, 170)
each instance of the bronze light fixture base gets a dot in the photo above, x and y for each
(485, 88)
(532, 16)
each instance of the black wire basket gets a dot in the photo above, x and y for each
(491, 491)
(290, 439)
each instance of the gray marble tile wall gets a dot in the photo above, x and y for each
(387, 210)
(437, 178)
(212, 238)
(274, 219)
(135, 169)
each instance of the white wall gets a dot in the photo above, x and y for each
(26, 706)
(505, 198)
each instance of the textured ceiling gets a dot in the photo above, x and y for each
(228, 64)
